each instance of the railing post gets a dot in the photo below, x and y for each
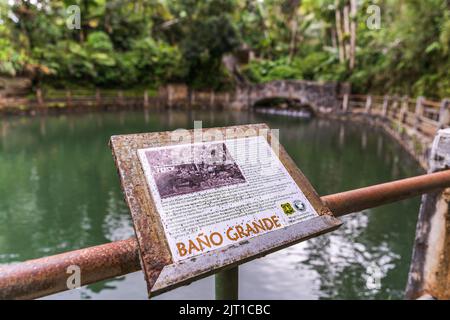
(385, 106)
(404, 109)
(211, 98)
(39, 97)
(368, 104)
(68, 98)
(444, 114)
(120, 96)
(345, 103)
(97, 97)
(193, 97)
(146, 99)
(418, 112)
(227, 284)
(395, 106)
(428, 270)
(170, 96)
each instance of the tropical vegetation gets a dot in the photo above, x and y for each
(377, 45)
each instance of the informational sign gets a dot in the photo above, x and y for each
(213, 194)
(204, 203)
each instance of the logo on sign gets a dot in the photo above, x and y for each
(287, 208)
(299, 205)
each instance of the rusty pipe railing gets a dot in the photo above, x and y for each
(45, 276)
(369, 197)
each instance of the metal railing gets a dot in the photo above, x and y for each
(92, 98)
(45, 276)
(97, 98)
(423, 115)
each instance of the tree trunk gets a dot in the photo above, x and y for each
(293, 42)
(339, 33)
(346, 12)
(334, 42)
(353, 13)
(262, 13)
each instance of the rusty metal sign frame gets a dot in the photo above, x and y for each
(161, 272)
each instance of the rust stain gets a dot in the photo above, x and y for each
(154, 249)
(440, 282)
(44, 276)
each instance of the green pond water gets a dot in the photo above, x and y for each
(59, 191)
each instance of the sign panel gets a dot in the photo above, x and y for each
(212, 194)
(203, 205)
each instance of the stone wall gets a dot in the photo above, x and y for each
(12, 90)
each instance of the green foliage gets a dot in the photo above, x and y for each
(314, 66)
(147, 62)
(151, 42)
(207, 33)
(266, 70)
(411, 56)
(11, 60)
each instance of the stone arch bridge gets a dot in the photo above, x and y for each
(320, 96)
(316, 95)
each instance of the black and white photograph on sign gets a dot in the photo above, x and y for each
(187, 169)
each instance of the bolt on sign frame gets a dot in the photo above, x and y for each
(163, 272)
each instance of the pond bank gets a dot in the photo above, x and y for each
(417, 145)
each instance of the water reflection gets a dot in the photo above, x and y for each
(59, 191)
(116, 224)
